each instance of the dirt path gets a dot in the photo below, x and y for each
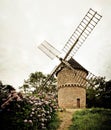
(66, 118)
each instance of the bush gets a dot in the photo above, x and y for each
(92, 119)
(32, 112)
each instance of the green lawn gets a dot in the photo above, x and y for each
(92, 119)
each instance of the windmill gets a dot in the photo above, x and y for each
(71, 76)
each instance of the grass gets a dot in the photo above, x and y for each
(92, 119)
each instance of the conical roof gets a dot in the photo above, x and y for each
(74, 64)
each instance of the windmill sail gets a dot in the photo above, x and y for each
(49, 50)
(51, 75)
(81, 33)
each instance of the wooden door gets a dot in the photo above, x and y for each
(78, 102)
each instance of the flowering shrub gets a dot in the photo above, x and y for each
(43, 110)
(18, 111)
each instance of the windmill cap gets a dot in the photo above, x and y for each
(74, 64)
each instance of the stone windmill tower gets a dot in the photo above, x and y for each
(71, 76)
(71, 88)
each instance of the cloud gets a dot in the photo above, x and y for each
(24, 24)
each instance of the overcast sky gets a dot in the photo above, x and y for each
(24, 24)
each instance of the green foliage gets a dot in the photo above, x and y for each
(35, 83)
(32, 112)
(54, 123)
(99, 95)
(92, 119)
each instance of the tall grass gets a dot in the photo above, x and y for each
(92, 119)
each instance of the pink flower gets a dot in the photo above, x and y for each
(25, 120)
(32, 113)
(36, 103)
(33, 109)
(19, 99)
(18, 106)
(30, 121)
(4, 99)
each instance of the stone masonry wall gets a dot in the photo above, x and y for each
(66, 76)
(71, 88)
(67, 97)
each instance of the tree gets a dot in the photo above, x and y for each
(25, 87)
(105, 95)
(99, 94)
(4, 91)
(36, 81)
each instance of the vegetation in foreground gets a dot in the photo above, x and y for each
(92, 119)
(32, 110)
